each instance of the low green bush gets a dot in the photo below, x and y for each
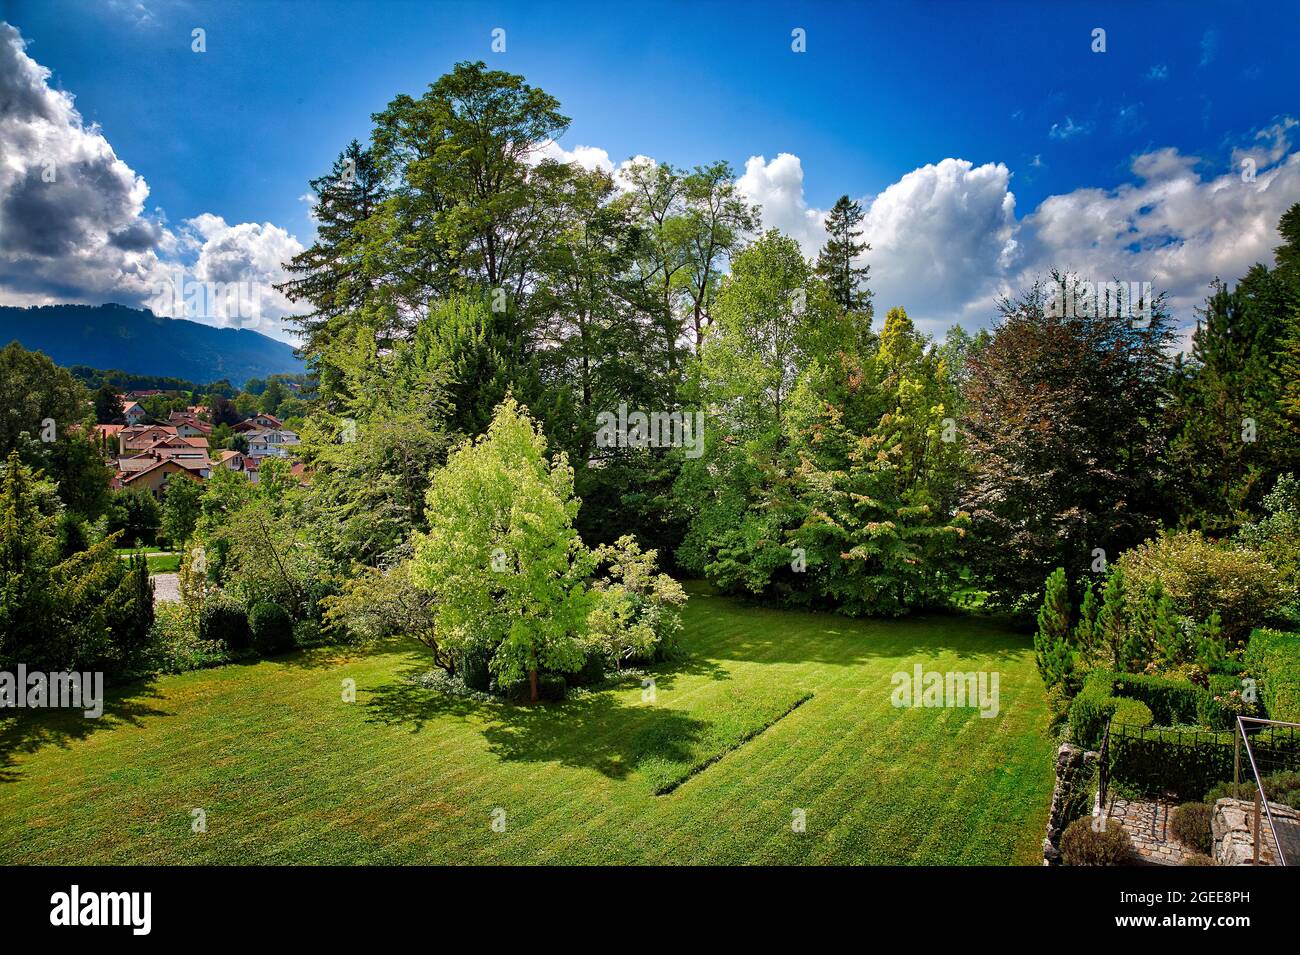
(1283, 787)
(551, 688)
(1132, 713)
(1081, 844)
(1190, 825)
(1197, 858)
(224, 620)
(1274, 658)
(270, 628)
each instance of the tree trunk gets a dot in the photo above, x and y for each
(532, 684)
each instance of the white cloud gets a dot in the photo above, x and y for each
(1069, 129)
(72, 220)
(588, 157)
(941, 239)
(73, 225)
(1172, 227)
(946, 243)
(237, 266)
(777, 186)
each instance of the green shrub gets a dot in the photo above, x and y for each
(1058, 703)
(1091, 710)
(1274, 658)
(1224, 791)
(1221, 706)
(1282, 787)
(1202, 576)
(473, 667)
(1197, 858)
(271, 628)
(551, 687)
(224, 620)
(1132, 712)
(1191, 825)
(1083, 845)
(1172, 702)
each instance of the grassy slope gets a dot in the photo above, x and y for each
(290, 774)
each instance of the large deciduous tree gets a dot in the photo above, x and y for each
(1065, 433)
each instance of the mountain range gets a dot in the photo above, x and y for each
(140, 342)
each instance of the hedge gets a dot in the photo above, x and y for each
(1274, 658)
(1169, 701)
(1172, 702)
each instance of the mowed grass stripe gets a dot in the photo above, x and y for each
(290, 773)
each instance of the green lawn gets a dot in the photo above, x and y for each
(160, 562)
(774, 711)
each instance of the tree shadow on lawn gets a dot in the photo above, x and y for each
(23, 732)
(595, 731)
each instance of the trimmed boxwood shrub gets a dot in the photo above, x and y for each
(225, 620)
(271, 628)
(1132, 712)
(1191, 826)
(1172, 702)
(1091, 710)
(1274, 658)
(1083, 845)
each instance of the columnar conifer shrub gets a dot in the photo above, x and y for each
(1052, 650)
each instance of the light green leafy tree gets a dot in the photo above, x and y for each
(501, 555)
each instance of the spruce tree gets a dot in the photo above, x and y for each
(1051, 642)
(835, 261)
(1086, 631)
(1112, 620)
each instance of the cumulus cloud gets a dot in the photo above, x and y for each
(1174, 226)
(941, 239)
(230, 277)
(588, 157)
(946, 242)
(72, 221)
(777, 186)
(73, 224)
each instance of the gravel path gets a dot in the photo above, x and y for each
(166, 587)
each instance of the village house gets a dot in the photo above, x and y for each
(133, 412)
(267, 442)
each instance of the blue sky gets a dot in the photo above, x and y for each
(884, 89)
